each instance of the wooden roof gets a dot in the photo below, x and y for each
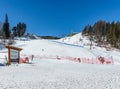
(13, 47)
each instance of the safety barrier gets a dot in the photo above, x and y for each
(98, 60)
(26, 58)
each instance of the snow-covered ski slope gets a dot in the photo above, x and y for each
(79, 40)
(60, 74)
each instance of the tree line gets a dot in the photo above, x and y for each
(16, 31)
(104, 32)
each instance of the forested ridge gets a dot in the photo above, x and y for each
(104, 32)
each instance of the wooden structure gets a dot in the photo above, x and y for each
(13, 54)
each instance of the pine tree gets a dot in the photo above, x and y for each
(14, 29)
(84, 31)
(114, 39)
(6, 30)
(104, 32)
(21, 29)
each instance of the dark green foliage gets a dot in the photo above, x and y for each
(21, 29)
(104, 32)
(14, 29)
(18, 30)
(1, 27)
(49, 37)
(99, 30)
(6, 30)
(87, 30)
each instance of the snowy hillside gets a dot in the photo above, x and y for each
(76, 39)
(52, 69)
(79, 40)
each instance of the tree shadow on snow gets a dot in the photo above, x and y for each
(2, 64)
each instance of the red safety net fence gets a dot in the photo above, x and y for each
(97, 60)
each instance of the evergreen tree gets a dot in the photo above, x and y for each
(84, 31)
(21, 29)
(89, 30)
(1, 26)
(14, 29)
(6, 30)
(113, 41)
(102, 31)
(108, 32)
(109, 35)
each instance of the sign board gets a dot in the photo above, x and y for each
(13, 54)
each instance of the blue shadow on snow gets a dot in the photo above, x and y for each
(68, 44)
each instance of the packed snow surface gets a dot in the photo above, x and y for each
(54, 74)
(59, 74)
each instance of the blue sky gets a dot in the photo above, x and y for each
(58, 17)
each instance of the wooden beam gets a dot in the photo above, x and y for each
(12, 47)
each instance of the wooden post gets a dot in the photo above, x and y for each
(8, 56)
(18, 56)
